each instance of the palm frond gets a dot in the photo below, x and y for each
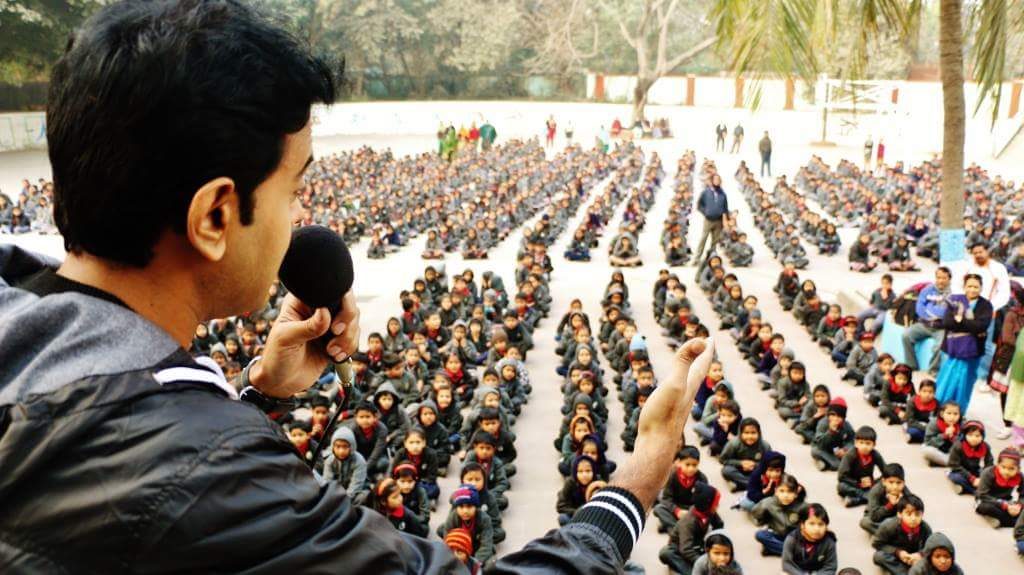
(989, 21)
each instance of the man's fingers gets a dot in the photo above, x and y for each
(690, 351)
(299, 332)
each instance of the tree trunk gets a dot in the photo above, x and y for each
(951, 62)
(643, 85)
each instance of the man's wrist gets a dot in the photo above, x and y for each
(254, 375)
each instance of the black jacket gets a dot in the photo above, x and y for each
(120, 453)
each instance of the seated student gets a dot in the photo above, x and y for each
(1018, 533)
(779, 374)
(787, 286)
(763, 480)
(624, 253)
(829, 243)
(845, 341)
(725, 427)
(769, 359)
(742, 453)
(371, 439)
(722, 393)
(483, 445)
(833, 438)
(829, 326)
(968, 457)
(394, 418)
(857, 468)
(299, 432)
(376, 250)
(893, 401)
(460, 542)
(921, 410)
(861, 358)
(860, 255)
(883, 497)
(400, 382)
(814, 411)
(644, 380)
(715, 375)
(937, 558)
(899, 541)
(795, 253)
(466, 514)
(777, 514)
(387, 500)
(718, 558)
(632, 428)
(434, 249)
(677, 495)
(677, 252)
(811, 547)
(877, 378)
(941, 434)
(686, 540)
(574, 490)
(899, 259)
(473, 474)
(437, 436)
(794, 393)
(759, 346)
(741, 253)
(413, 494)
(414, 450)
(995, 493)
(345, 465)
(447, 408)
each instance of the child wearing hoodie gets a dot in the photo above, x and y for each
(718, 557)
(995, 495)
(937, 558)
(686, 540)
(437, 436)
(778, 515)
(574, 490)
(857, 468)
(811, 547)
(968, 457)
(833, 438)
(793, 392)
(466, 514)
(764, 479)
(899, 541)
(677, 495)
(345, 465)
(814, 412)
(741, 455)
(940, 435)
(394, 418)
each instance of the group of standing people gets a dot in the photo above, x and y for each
(450, 141)
(764, 145)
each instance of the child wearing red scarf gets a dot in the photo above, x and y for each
(857, 468)
(968, 457)
(387, 500)
(900, 540)
(677, 495)
(895, 396)
(465, 514)
(996, 488)
(942, 433)
(921, 409)
(686, 540)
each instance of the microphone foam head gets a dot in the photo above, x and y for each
(317, 267)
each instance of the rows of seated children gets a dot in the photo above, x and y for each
(816, 229)
(946, 440)
(677, 221)
(624, 249)
(893, 515)
(365, 193)
(601, 210)
(781, 237)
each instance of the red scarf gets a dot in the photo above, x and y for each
(911, 533)
(367, 431)
(415, 459)
(455, 376)
(905, 390)
(930, 406)
(374, 357)
(398, 512)
(684, 481)
(710, 383)
(943, 426)
(866, 460)
(303, 448)
(1005, 482)
(974, 452)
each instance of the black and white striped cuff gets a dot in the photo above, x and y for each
(616, 512)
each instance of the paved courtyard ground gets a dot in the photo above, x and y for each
(981, 549)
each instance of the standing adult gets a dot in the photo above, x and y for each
(967, 320)
(552, 129)
(95, 379)
(995, 288)
(713, 204)
(487, 135)
(869, 148)
(720, 131)
(765, 147)
(737, 138)
(930, 309)
(880, 154)
(1006, 349)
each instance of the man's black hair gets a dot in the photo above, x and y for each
(152, 99)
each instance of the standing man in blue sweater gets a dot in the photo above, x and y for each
(714, 206)
(930, 308)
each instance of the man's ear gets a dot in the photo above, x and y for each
(213, 208)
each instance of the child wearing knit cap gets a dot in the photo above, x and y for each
(460, 541)
(465, 514)
(968, 457)
(686, 540)
(995, 496)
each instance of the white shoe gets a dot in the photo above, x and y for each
(1004, 433)
(983, 387)
(993, 522)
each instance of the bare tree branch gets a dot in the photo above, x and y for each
(689, 54)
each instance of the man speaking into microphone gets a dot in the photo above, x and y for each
(179, 133)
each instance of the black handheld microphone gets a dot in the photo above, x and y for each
(318, 269)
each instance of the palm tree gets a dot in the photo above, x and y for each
(781, 37)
